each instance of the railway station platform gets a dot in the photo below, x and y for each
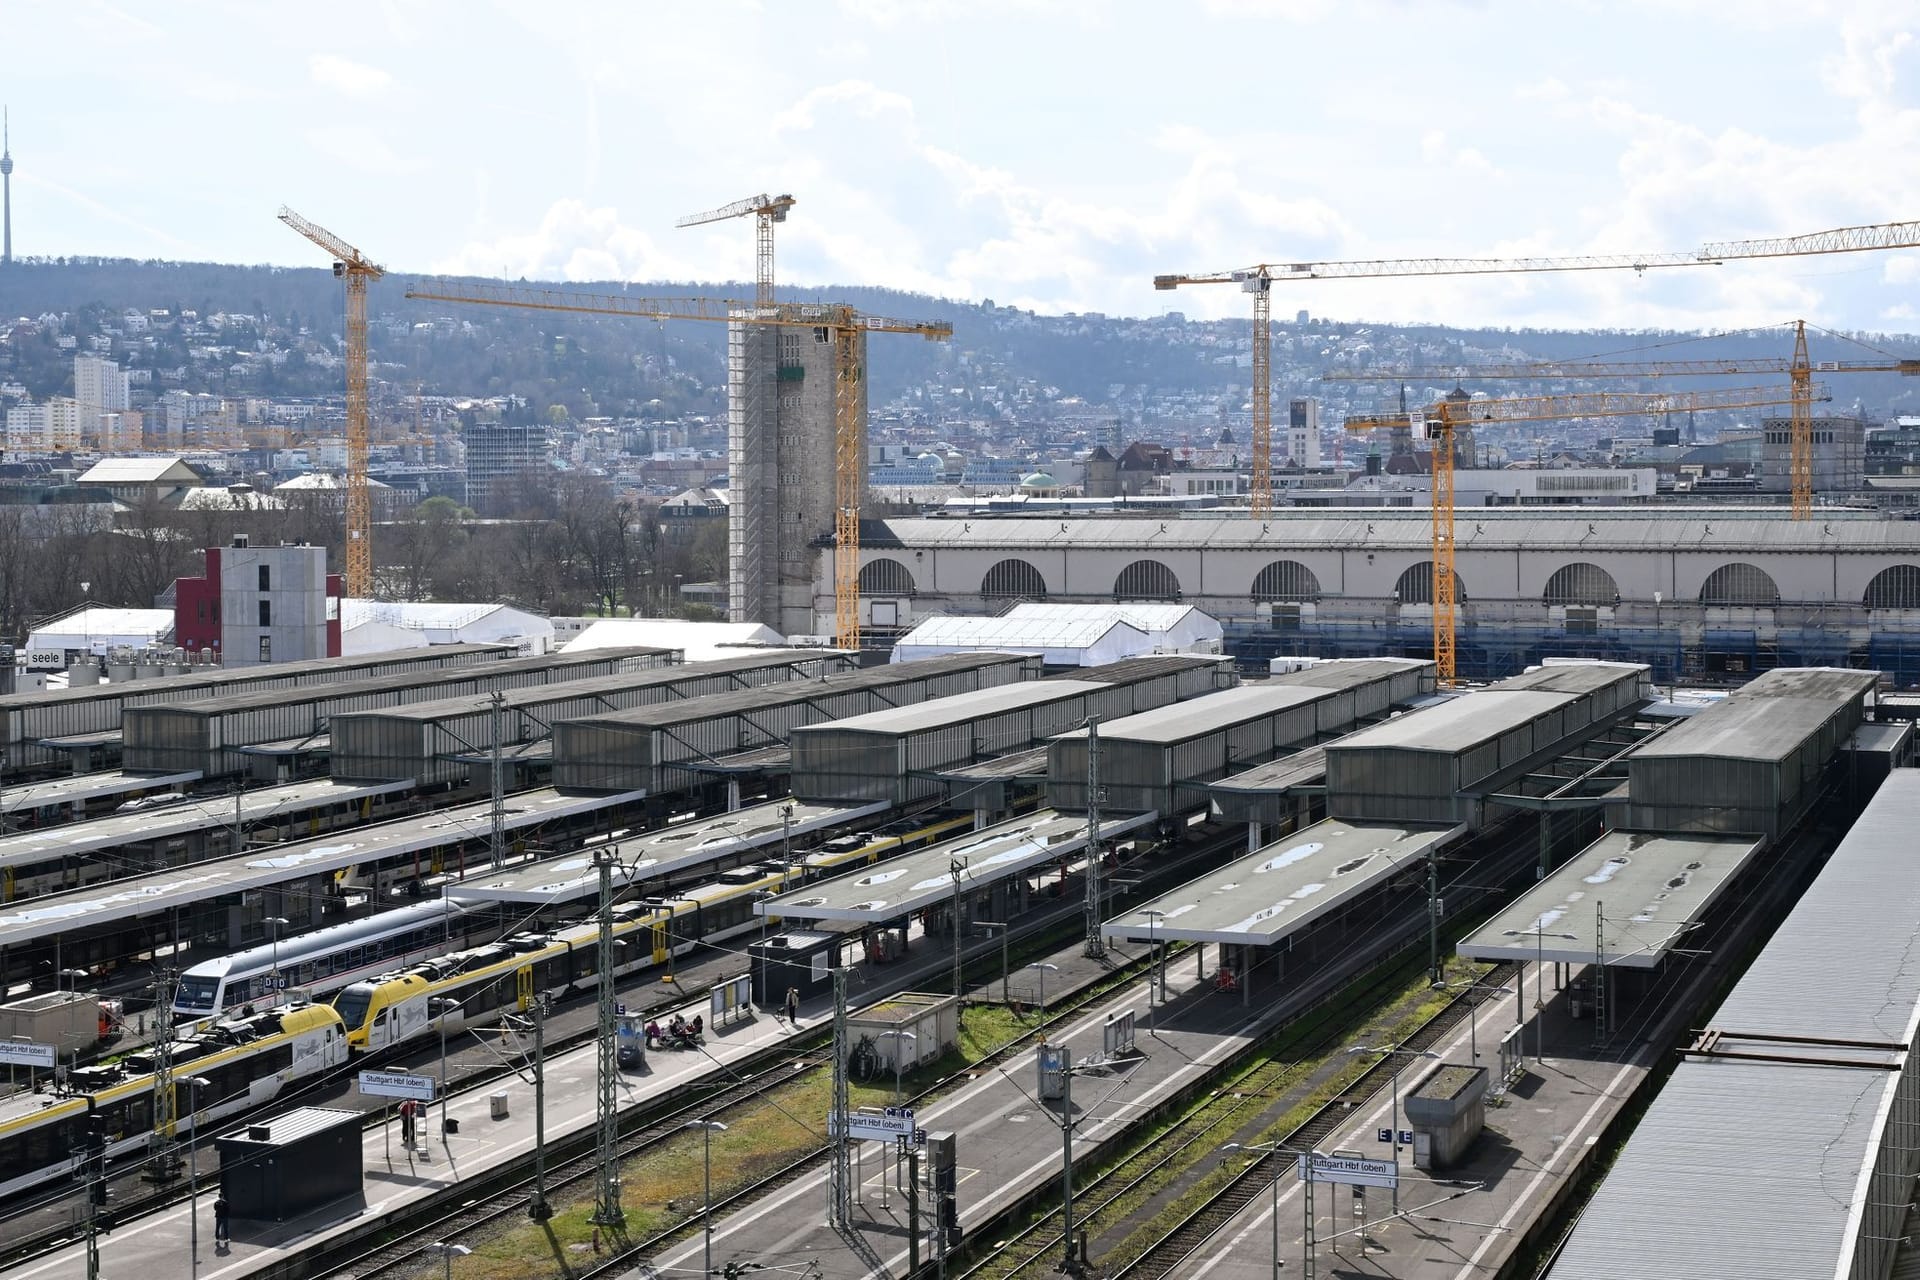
(75, 794)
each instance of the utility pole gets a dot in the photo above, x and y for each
(956, 867)
(1069, 1258)
(1096, 945)
(606, 1201)
(160, 1155)
(840, 1166)
(498, 812)
(1433, 917)
(538, 1209)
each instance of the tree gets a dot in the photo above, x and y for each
(421, 544)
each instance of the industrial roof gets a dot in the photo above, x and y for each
(1837, 684)
(1764, 729)
(906, 884)
(709, 705)
(1146, 667)
(1031, 763)
(87, 786)
(1209, 713)
(1277, 777)
(1651, 888)
(1287, 534)
(960, 708)
(398, 681)
(563, 690)
(1346, 673)
(661, 853)
(1266, 896)
(138, 471)
(1786, 1150)
(202, 813)
(1458, 724)
(163, 891)
(1576, 677)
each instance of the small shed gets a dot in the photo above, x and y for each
(909, 1030)
(290, 1164)
(802, 959)
(1447, 1112)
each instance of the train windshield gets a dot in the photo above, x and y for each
(196, 995)
(352, 1005)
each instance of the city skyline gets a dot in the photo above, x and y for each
(1053, 156)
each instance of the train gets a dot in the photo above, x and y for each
(244, 1062)
(478, 985)
(324, 961)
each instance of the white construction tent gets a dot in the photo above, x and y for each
(699, 641)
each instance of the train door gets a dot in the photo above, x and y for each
(525, 997)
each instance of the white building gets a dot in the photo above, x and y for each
(99, 385)
(51, 426)
(368, 626)
(54, 644)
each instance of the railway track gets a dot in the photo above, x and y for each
(1166, 1253)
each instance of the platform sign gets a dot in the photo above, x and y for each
(1353, 1170)
(897, 1122)
(1383, 1135)
(395, 1084)
(14, 1053)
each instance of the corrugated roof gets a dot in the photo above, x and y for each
(1782, 1150)
(1765, 729)
(1209, 713)
(1456, 725)
(135, 471)
(1276, 777)
(1348, 673)
(1835, 683)
(959, 708)
(1576, 677)
(1146, 667)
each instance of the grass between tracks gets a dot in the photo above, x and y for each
(1303, 1045)
(664, 1187)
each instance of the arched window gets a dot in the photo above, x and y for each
(1146, 580)
(1286, 580)
(885, 578)
(1581, 583)
(1416, 585)
(1014, 580)
(1739, 583)
(1895, 587)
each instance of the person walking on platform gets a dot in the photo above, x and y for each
(793, 1005)
(407, 1110)
(221, 1234)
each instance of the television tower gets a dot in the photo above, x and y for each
(6, 192)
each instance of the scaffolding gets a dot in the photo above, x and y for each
(752, 424)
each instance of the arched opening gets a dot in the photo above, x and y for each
(1146, 580)
(1288, 581)
(1739, 583)
(1416, 585)
(1581, 583)
(1895, 587)
(885, 578)
(1013, 580)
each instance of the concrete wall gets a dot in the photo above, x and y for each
(296, 599)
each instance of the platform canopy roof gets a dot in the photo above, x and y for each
(1651, 890)
(650, 855)
(1268, 895)
(911, 882)
(87, 786)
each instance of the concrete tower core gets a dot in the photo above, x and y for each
(6, 189)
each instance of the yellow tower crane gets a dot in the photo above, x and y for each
(766, 211)
(1259, 280)
(849, 401)
(1438, 422)
(356, 269)
(1798, 368)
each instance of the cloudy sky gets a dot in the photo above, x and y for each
(1049, 155)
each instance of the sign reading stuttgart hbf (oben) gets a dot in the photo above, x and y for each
(1352, 1170)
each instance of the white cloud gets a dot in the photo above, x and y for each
(353, 79)
(574, 242)
(357, 149)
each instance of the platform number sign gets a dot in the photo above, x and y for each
(1384, 1135)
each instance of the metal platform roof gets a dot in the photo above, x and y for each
(960, 708)
(900, 886)
(1306, 768)
(87, 786)
(1576, 677)
(1209, 713)
(652, 854)
(1031, 763)
(202, 813)
(314, 744)
(1832, 683)
(182, 886)
(1262, 898)
(1652, 888)
(1764, 729)
(1807, 1162)
(1458, 724)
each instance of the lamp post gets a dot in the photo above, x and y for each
(706, 1128)
(1156, 977)
(273, 973)
(1540, 987)
(786, 832)
(448, 1252)
(957, 868)
(1042, 967)
(1393, 1054)
(1275, 1150)
(1473, 1044)
(194, 1085)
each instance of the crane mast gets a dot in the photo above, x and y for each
(846, 327)
(766, 211)
(355, 268)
